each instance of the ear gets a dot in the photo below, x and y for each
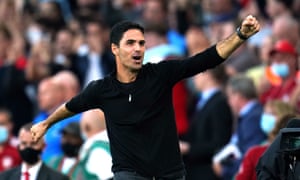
(115, 49)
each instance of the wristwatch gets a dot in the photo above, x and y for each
(239, 33)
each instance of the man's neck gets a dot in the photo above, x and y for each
(126, 76)
(28, 166)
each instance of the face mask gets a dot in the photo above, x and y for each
(3, 134)
(70, 150)
(280, 69)
(267, 122)
(30, 155)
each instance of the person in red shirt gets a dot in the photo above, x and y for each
(9, 155)
(281, 72)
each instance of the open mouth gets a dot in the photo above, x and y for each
(137, 58)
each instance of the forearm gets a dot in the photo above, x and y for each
(248, 28)
(59, 114)
(227, 46)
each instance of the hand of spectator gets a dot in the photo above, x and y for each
(249, 26)
(38, 130)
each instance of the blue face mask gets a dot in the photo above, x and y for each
(280, 69)
(267, 122)
(3, 134)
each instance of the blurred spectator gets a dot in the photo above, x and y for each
(286, 27)
(275, 8)
(244, 103)
(105, 10)
(257, 73)
(95, 156)
(50, 17)
(50, 96)
(215, 11)
(64, 50)
(98, 62)
(38, 65)
(32, 167)
(276, 115)
(210, 127)
(12, 80)
(158, 47)
(197, 39)
(71, 142)
(283, 66)
(69, 83)
(128, 9)
(156, 12)
(9, 156)
(6, 121)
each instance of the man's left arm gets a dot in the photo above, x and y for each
(249, 27)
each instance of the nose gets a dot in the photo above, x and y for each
(137, 47)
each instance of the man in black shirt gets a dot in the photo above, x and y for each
(137, 102)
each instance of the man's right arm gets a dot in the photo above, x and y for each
(39, 129)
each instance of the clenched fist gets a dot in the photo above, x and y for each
(38, 130)
(249, 26)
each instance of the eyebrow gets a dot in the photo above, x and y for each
(133, 41)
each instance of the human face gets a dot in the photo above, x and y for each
(64, 42)
(95, 37)
(285, 58)
(26, 140)
(130, 51)
(49, 95)
(233, 100)
(5, 121)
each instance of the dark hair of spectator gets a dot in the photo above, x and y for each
(120, 28)
(27, 126)
(219, 74)
(243, 85)
(160, 29)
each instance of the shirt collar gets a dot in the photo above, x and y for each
(33, 170)
(247, 108)
(208, 93)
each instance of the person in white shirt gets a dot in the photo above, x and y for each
(32, 168)
(95, 152)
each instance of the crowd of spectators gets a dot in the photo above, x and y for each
(51, 49)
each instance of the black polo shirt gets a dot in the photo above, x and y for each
(140, 117)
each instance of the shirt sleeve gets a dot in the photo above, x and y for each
(176, 70)
(86, 99)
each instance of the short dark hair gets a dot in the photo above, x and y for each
(120, 28)
(27, 126)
